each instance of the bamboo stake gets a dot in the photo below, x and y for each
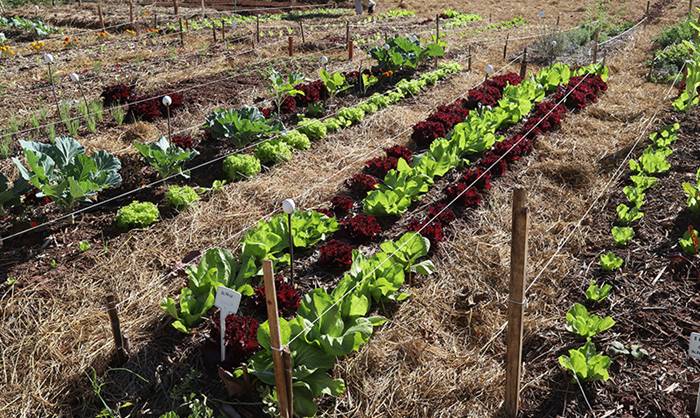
(182, 33)
(99, 14)
(131, 12)
(120, 342)
(518, 270)
(275, 341)
(469, 62)
(351, 51)
(257, 29)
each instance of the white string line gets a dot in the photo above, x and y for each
(642, 20)
(335, 303)
(163, 180)
(57, 120)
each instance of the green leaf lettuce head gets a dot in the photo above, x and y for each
(241, 166)
(596, 293)
(137, 215)
(610, 262)
(273, 152)
(585, 364)
(313, 128)
(584, 324)
(181, 197)
(622, 235)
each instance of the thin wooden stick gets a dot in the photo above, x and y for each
(119, 339)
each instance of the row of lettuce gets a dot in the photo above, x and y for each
(61, 172)
(333, 323)
(585, 363)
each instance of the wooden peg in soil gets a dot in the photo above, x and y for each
(275, 341)
(347, 31)
(257, 29)
(176, 9)
(595, 46)
(223, 32)
(646, 13)
(558, 17)
(469, 61)
(437, 27)
(155, 20)
(516, 302)
(490, 17)
(120, 341)
(187, 25)
(523, 64)
(204, 13)
(182, 33)
(301, 29)
(131, 12)
(351, 51)
(505, 46)
(100, 15)
(213, 32)
(290, 45)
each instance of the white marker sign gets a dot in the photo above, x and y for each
(227, 300)
(694, 349)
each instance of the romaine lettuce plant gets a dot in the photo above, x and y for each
(692, 192)
(584, 324)
(610, 262)
(63, 172)
(166, 158)
(595, 293)
(622, 235)
(586, 364)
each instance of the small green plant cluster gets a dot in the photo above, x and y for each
(457, 19)
(137, 215)
(585, 363)
(689, 96)
(406, 53)
(181, 197)
(671, 51)
(166, 158)
(36, 27)
(241, 166)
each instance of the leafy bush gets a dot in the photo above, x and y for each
(273, 152)
(63, 172)
(181, 197)
(296, 140)
(241, 166)
(241, 126)
(586, 364)
(584, 324)
(166, 158)
(137, 215)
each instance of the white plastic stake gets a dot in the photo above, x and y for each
(227, 300)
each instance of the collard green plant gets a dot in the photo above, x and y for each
(586, 364)
(63, 172)
(405, 53)
(595, 293)
(241, 126)
(610, 262)
(585, 324)
(335, 82)
(166, 158)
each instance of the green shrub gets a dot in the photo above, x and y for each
(313, 128)
(273, 152)
(180, 197)
(137, 215)
(241, 166)
(297, 140)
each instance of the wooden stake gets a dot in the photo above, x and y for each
(469, 62)
(347, 31)
(213, 31)
(523, 64)
(437, 27)
(291, 46)
(99, 14)
(301, 29)
(257, 29)
(175, 8)
(287, 362)
(697, 405)
(518, 269)
(275, 342)
(351, 51)
(223, 32)
(558, 17)
(120, 342)
(647, 12)
(131, 12)
(595, 46)
(505, 46)
(204, 13)
(182, 33)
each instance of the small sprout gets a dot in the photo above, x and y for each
(11, 281)
(83, 246)
(596, 293)
(634, 350)
(53, 264)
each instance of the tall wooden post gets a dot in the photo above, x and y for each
(595, 46)
(301, 29)
(131, 12)
(516, 301)
(347, 31)
(120, 342)
(290, 46)
(204, 13)
(182, 33)
(100, 15)
(281, 379)
(176, 9)
(213, 31)
(257, 29)
(523, 64)
(351, 51)
(558, 18)
(505, 46)
(469, 61)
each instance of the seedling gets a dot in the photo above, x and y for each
(610, 262)
(83, 246)
(596, 293)
(586, 325)
(585, 364)
(622, 235)
(634, 350)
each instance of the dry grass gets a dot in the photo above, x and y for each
(55, 328)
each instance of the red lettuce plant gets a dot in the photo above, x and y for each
(183, 141)
(342, 204)
(144, 108)
(314, 92)
(379, 166)
(288, 298)
(491, 158)
(336, 254)
(362, 228)
(433, 231)
(424, 133)
(241, 337)
(478, 175)
(362, 183)
(500, 81)
(444, 214)
(399, 151)
(464, 196)
(116, 94)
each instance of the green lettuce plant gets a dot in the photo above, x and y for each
(137, 215)
(296, 140)
(652, 161)
(595, 293)
(273, 152)
(692, 192)
(610, 262)
(313, 128)
(622, 235)
(584, 324)
(586, 364)
(181, 197)
(241, 166)
(63, 172)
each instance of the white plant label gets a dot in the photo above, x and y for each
(227, 300)
(694, 349)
